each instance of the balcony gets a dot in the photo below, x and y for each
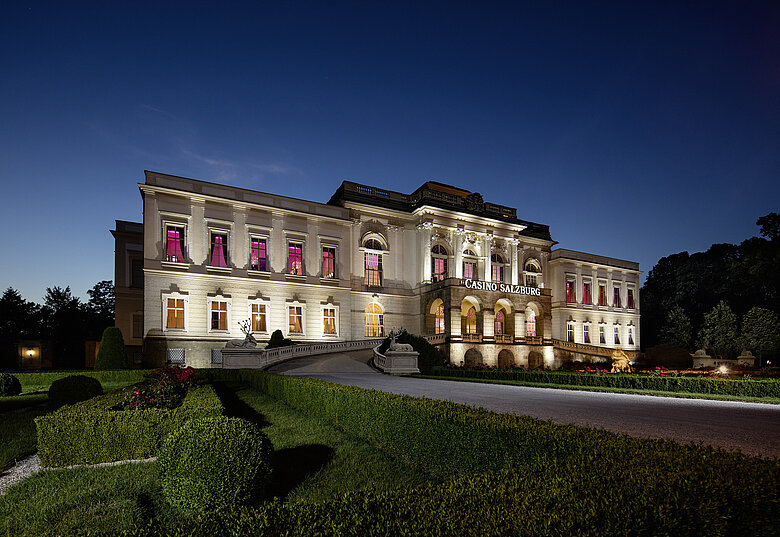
(533, 340)
(505, 338)
(472, 338)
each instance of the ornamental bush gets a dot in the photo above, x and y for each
(73, 389)
(214, 463)
(111, 354)
(9, 384)
(278, 340)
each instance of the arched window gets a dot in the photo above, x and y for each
(373, 244)
(530, 325)
(374, 320)
(498, 323)
(469, 265)
(532, 274)
(471, 321)
(497, 268)
(373, 263)
(439, 328)
(438, 263)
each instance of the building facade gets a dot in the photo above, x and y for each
(439, 261)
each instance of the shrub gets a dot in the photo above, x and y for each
(73, 389)
(429, 356)
(9, 385)
(95, 431)
(111, 354)
(278, 340)
(214, 463)
(165, 388)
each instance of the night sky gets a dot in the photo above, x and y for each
(635, 130)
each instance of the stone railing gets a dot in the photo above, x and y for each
(436, 339)
(238, 358)
(534, 340)
(504, 338)
(595, 350)
(472, 338)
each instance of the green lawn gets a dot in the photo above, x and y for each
(313, 461)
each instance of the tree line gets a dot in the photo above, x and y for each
(63, 321)
(724, 299)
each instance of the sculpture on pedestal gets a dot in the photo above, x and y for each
(249, 342)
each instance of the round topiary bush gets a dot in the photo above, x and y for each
(72, 389)
(213, 463)
(9, 384)
(111, 354)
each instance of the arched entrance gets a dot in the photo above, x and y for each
(472, 358)
(506, 359)
(535, 360)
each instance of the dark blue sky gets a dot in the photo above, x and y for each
(633, 130)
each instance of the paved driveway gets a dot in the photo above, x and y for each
(751, 427)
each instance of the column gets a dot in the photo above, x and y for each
(458, 245)
(487, 324)
(519, 324)
(425, 227)
(487, 241)
(514, 268)
(199, 240)
(455, 320)
(239, 254)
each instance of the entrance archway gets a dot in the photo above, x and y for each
(535, 360)
(472, 358)
(506, 359)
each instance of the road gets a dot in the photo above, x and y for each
(752, 428)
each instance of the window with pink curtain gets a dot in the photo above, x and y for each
(498, 323)
(328, 263)
(571, 296)
(258, 259)
(530, 325)
(174, 247)
(586, 298)
(218, 250)
(295, 259)
(373, 270)
(469, 269)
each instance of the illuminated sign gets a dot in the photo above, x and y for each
(502, 287)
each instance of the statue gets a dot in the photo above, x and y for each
(249, 342)
(399, 347)
(620, 362)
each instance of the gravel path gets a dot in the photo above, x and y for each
(32, 465)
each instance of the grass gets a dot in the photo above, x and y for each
(313, 461)
(17, 435)
(657, 393)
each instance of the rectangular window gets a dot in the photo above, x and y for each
(616, 298)
(469, 269)
(586, 333)
(602, 335)
(219, 250)
(570, 333)
(328, 262)
(137, 273)
(218, 315)
(373, 276)
(329, 321)
(258, 254)
(174, 245)
(630, 299)
(602, 294)
(138, 325)
(586, 296)
(295, 318)
(497, 273)
(175, 307)
(617, 335)
(439, 269)
(571, 293)
(295, 258)
(630, 336)
(530, 280)
(258, 318)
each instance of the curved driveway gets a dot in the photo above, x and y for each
(751, 427)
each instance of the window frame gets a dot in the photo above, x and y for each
(443, 258)
(380, 317)
(570, 289)
(586, 333)
(535, 274)
(617, 294)
(602, 286)
(570, 329)
(302, 306)
(602, 334)
(587, 296)
(176, 223)
(209, 314)
(496, 265)
(214, 232)
(334, 248)
(185, 313)
(330, 307)
(630, 297)
(259, 302)
(255, 237)
(291, 243)
(616, 335)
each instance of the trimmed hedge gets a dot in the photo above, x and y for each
(73, 389)
(654, 483)
(214, 463)
(9, 385)
(41, 380)
(92, 431)
(111, 354)
(708, 385)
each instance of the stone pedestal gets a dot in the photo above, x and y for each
(240, 358)
(397, 362)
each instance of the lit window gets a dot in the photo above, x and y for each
(295, 318)
(531, 274)
(586, 297)
(617, 335)
(497, 268)
(439, 263)
(570, 332)
(498, 323)
(219, 252)
(469, 265)
(258, 318)
(218, 315)
(630, 299)
(439, 328)
(175, 313)
(571, 293)
(328, 263)
(530, 324)
(586, 333)
(329, 321)
(630, 335)
(258, 254)
(602, 335)
(373, 277)
(616, 298)
(602, 294)
(471, 321)
(374, 320)
(174, 246)
(295, 258)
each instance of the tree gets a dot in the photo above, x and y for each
(719, 333)
(678, 329)
(770, 226)
(100, 308)
(761, 331)
(19, 319)
(65, 327)
(111, 354)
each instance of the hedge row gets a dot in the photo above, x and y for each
(505, 502)
(41, 380)
(92, 431)
(686, 483)
(708, 385)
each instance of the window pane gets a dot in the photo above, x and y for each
(219, 250)
(295, 259)
(258, 318)
(328, 262)
(469, 270)
(295, 320)
(257, 255)
(174, 247)
(373, 270)
(586, 298)
(329, 320)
